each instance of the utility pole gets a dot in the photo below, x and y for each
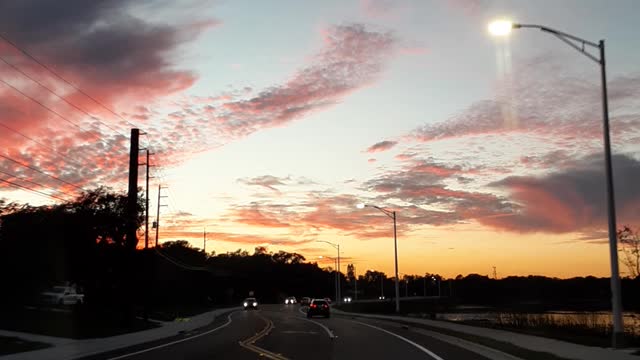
(204, 241)
(146, 208)
(355, 281)
(495, 274)
(158, 212)
(132, 196)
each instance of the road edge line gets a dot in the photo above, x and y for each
(418, 346)
(176, 341)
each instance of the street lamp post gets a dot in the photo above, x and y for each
(424, 284)
(438, 281)
(392, 215)
(337, 247)
(503, 28)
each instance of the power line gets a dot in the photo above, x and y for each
(39, 143)
(43, 105)
(34, 183)
(181, 265)
(65, 80)
(60, 97)
(32, 190)
(41, 172)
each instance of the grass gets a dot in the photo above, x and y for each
(12, 345)
(81, 324)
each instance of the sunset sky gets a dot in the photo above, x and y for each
(271, 120)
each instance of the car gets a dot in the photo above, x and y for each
(305, 301)
(319, 307)
(290, 300)
(381, 298)
(250, 303)
(62, 295)
(347, 299)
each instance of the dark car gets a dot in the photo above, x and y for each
(319, 307)
(305, 301)
(250, 303)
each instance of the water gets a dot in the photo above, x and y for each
(586, 319)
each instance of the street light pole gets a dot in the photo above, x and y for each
(337, 246)
(392, 215)
(503, 28)
(395, 251)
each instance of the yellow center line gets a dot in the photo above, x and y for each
(249, 343)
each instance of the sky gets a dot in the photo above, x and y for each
(270, 121)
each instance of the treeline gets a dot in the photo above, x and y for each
(84, 242)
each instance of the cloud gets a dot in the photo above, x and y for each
(111, 54)
(255, 217)
(542, 97)
(381, 146)
(376, 8)
(570, 200)
(266, 181)
(352, 57)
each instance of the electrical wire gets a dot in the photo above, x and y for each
(179, 264)
(39, 143)
(60, 97)
(41, 172)
(34, 183)
(26, 53)
(46, 107)
(32, 190)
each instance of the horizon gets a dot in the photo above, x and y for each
(269, 124)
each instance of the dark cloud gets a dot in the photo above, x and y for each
(381, 146)
(571, 200)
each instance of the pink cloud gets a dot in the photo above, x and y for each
(564, 106)
(381, 146)
(118, 58)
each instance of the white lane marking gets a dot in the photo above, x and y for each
(176, 341)
(420, 347)
(329, 332)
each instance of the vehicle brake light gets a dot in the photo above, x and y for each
(313, 305)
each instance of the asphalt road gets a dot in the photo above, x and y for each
(283, 332)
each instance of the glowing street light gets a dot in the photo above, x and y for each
(502, 28)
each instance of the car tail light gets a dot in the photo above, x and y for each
(313, 305)
(324, 306)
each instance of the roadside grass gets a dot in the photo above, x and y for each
(12, 345)
(80, 324)
(591, 329)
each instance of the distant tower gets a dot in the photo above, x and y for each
(495, 274)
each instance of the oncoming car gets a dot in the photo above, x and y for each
(250, 303)
(319, 307)
(290, 300)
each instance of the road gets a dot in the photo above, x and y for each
(280, 332)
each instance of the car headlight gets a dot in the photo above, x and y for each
(286, 301)
(255, 304)
(245, 304)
